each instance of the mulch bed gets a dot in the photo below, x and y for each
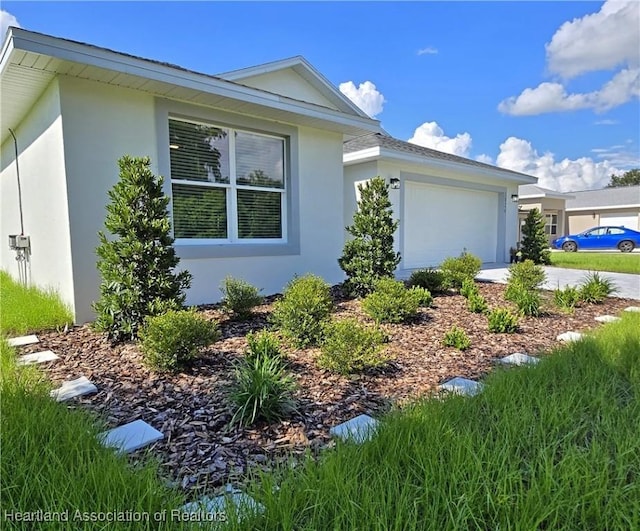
(201, 452)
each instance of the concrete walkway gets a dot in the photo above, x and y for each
(627, 284)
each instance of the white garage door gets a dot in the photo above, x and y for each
(620, 220)
(441, 221)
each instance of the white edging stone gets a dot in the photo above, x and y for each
(462, 386)
(607, 318)
(632, 309)
(73, 388)
(130, 437)
(570, 336)
(23, 340)
(216, 509)
(37, 357)
(518, 358)
(358, 429)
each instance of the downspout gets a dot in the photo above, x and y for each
(15, 145)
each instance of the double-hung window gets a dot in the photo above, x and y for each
(228, 185)
(551, 224)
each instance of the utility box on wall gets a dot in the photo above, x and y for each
(18, 241)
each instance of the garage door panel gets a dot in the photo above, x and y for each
(442, 221)
(630, 221)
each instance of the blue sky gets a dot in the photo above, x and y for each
(548, 88)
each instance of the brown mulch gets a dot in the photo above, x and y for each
(200, 451)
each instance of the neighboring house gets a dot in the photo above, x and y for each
(619, 206)
(445, 203)
(551, 204)
(253, 161)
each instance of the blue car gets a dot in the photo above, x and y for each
(600, 238)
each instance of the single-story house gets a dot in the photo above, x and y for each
(551, 204)
(253, 161)
(619, 206)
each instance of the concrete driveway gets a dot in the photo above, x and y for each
(628, 285)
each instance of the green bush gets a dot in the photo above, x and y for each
(456, 270)
(392, 302)
(137, 262)
(457, 338)
(263, 344)
(524, 276)
(469, 288)
(595, 288)
(528, 302)
(350, 346)
(429, 279)
(422, 295)
(170, 340)
(502, 321)
(239, 297)
(369, 255)
(262, 389)
(303, 309)
(566, 299)
(476, 303)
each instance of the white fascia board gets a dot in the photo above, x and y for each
(114, 61)
(547, 196)
(7, 52)
(366, 155)
(609, 207)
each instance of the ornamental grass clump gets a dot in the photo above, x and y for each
(502, 321)
(171, 340)
(392, 302)
(456, 270)
(239, 297)
(350, 346)
(567, 299)
(305, 306)
(596, 288)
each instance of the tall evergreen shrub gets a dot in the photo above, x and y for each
(535, 245)
(137, 260)
(369, 255)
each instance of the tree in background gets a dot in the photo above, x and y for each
(535, 245)
(136, 263)
(369, 255)
(628, 178)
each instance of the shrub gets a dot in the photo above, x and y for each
(502, 321)
(262, 390)
(350, 346)
(392, 302)
(567, 298)
(595, 288)
(476, 303)
(469, 288)
(535, 245)
(239, 297)
(422, 295)
(263, 344)
(137, 265)
(527, 301)
(524, 276)
(457, 338)
(369, 255)
(170, 340)
(456, 270)
(429, 279)
(303, 309)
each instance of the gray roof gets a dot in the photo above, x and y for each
(388, 142)
(533, 190)
(618, 196)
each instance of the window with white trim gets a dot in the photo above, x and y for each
(228, 185)
(551, 224)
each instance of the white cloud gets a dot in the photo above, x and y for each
(486, 159)
(564, 175)
(599, 41)
(552, 97)
(606, 122)
(6, 20)
(366, 96)
(430, 50)
(431, 135)
(604, 40)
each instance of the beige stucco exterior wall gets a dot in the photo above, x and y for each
(546, 205)
(578, 221)
(44, 197)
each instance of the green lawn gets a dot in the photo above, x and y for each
(29, 309)
(614, 262)
(556, 446)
